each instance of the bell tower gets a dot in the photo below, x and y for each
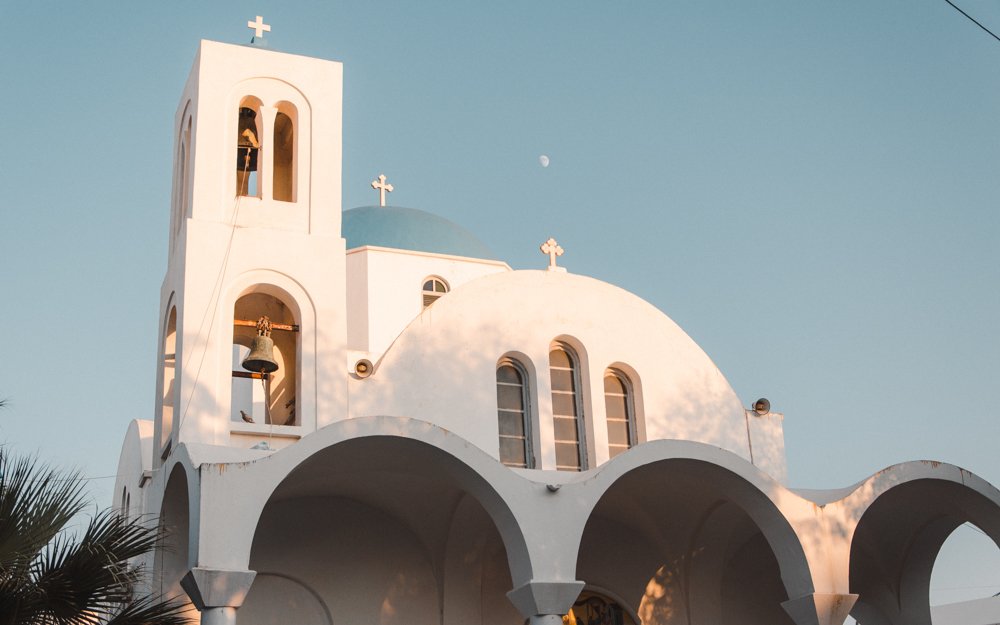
(255, 253)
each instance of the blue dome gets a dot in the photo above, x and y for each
(410, 229)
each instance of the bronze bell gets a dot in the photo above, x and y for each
(247, 145)
(261, 356)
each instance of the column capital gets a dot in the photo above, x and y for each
(217, 588)
(538, 598)
(820, 608)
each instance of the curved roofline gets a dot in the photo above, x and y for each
(400, 227)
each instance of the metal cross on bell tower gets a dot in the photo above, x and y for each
(259, 27)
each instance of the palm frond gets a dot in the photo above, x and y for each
(93, 573)
(151, 611)
(36, 502)
(49, 576)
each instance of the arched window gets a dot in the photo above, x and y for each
(434, 288)
(567, 409)
(185, 203)
(620, 409)
(248, 149)
(168, 399)
(284, 154)
(181, 190)
(266, 398)
(513, 415)
(181, 177)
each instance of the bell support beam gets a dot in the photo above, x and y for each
(274, 326)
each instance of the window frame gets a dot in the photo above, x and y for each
(433, 293)
(526, 413)
(583, 455)
(628, 396)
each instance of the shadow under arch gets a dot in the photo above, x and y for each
(368, 513)
(172, 559)
(904, 514)
(677, 528)
(274, 596)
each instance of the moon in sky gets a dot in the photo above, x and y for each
(544, 160)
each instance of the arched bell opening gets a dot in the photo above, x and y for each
(168, 374)
(265, 358)
(686, 541)
(172, 561)
(248, 147)
(385, 530)
(897, 541)
(285, 146)
(181, 192)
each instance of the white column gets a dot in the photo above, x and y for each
(218, 616)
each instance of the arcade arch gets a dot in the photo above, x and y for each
(898, 538)
(683, 540)
(390, 530)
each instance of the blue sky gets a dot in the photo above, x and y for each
(808, 188)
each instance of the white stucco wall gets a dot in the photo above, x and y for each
(442, 368)
(385, 290)
(134, 462)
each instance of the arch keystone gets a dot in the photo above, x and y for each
(820, 608)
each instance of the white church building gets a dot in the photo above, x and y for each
(365, 418)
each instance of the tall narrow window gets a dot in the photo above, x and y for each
(185, 180)
(181, 191)
(434, 288)
(567, 413)
(284, 158)
(512, 415)
(620, 412)
(167, 400)
(247, 150)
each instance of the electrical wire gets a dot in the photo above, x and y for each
(974, 21)
(216, 293)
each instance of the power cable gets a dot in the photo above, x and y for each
(974, 21)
